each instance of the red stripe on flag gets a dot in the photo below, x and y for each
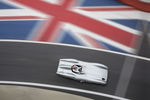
(90, 24)
(108, 9)
(138, 4)
(50, 29)
(50, 32)
(19, 17)
(66, 4)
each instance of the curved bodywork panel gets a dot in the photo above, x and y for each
(90, 72)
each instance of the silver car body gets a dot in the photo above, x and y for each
(91, 72)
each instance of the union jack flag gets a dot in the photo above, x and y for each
(106, 24)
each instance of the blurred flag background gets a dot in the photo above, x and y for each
(117, 25)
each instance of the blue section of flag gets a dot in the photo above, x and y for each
(6, 6)
(16, 29)
(110, 47)
(102, 3)
(69, 39)
(135, 24)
